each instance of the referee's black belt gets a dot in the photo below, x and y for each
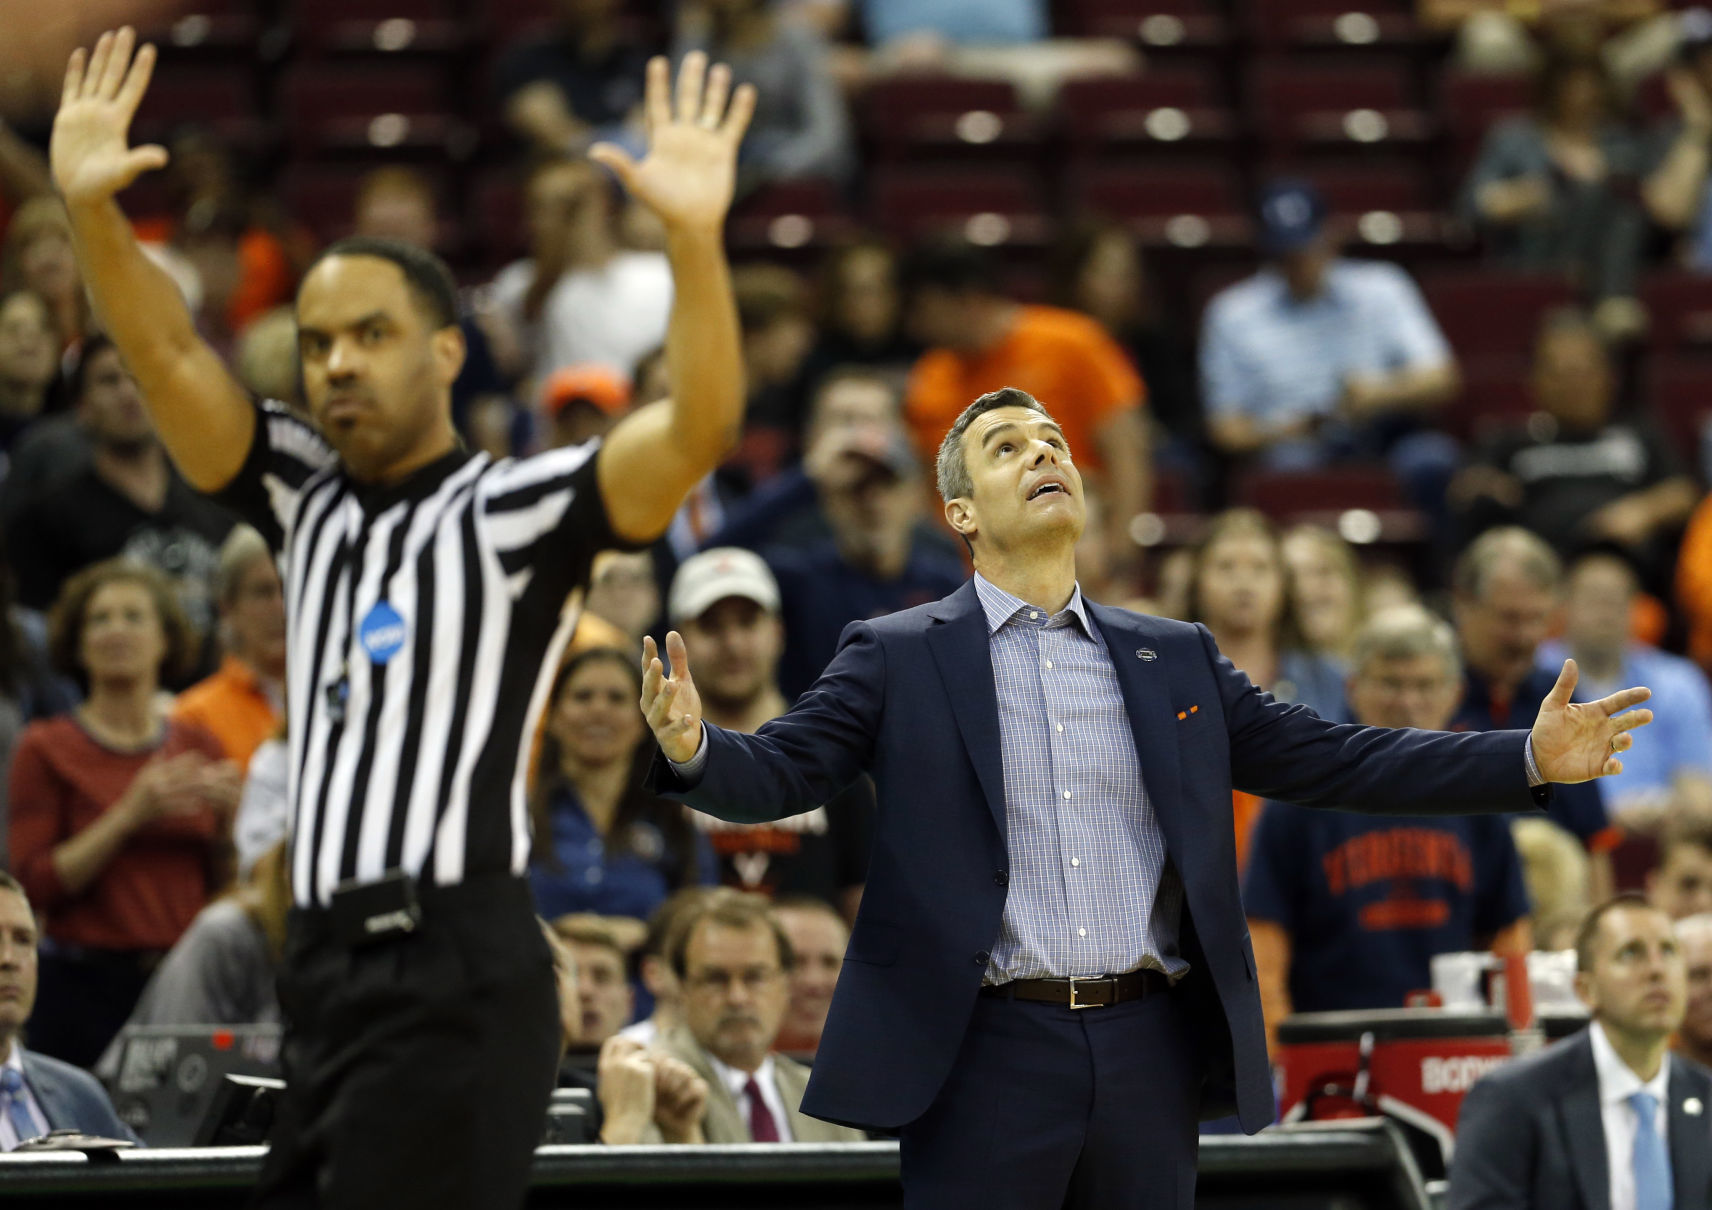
(1097, 991)
(397, 906)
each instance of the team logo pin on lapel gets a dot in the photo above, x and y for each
(1146, 654)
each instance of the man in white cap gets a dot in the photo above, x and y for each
(725, 602)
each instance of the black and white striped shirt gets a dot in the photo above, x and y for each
(425, 622)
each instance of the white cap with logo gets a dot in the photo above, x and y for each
(705, 579)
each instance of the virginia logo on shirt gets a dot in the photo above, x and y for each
(1400, 857)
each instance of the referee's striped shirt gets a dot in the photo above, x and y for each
(425, 620)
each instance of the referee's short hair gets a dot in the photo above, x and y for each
(732, 909)
(70, 610)
(429, 279)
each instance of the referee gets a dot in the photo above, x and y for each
(429, 592)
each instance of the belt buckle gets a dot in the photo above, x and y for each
(1074, 980)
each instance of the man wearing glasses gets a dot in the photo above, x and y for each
(733, 960)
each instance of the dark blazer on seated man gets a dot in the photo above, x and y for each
(69, 1098)
(1531, 1137)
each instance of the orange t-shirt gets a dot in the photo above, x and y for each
(1063, 358)
(1694, 582)
(233, 707)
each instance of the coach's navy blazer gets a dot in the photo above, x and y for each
(910, 699)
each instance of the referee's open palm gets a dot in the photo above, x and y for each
(91, 152)
(690, 170)
(671, 703)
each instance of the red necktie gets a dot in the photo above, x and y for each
(762, 1127)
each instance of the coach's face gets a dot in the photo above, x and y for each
(1025, 487)
(377, 374)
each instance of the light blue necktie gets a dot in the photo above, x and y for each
(12, 1092)
(1652, 1161)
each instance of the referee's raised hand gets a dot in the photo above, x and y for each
(671, 703)
(690, 169)
(90, 151)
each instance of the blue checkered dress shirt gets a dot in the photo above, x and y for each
(1091, 892)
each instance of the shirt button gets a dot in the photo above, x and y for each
(1034, 615)
(1002, 878)
(1060, 728)
(982, 958)
(1049, 663)
(1066, 794)
(1081, 932)
(1075, 861)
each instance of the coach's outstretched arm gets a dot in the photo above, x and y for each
(202, 413)
(651, 460)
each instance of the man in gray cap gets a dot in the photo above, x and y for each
(726, 604)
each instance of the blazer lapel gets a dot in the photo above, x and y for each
(1584, 1129)
(964, 657)
(50, 1096)
(1690, 1095)
(1146, 689)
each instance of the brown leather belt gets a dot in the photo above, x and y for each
(1097, 991)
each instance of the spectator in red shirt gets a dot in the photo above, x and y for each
(121, 817)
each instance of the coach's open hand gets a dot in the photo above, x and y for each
(91, 152)
(691, 167)
(1576, 742)
(671, 704)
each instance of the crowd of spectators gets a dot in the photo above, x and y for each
(142, 632)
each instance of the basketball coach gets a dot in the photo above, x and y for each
(1050, 980)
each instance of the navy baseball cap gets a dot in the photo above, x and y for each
(1291, 214)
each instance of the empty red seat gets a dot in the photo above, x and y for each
(1182, 204)
(1470, 105)
(1680, 305)
(935, 117)
(1287, 494)
(1155, 110)
(398, 107)
(1159, 25)
(225, 30)
(1297, 104)
(1496, 394)
(987, 206)
(197, 94)
(1677, 398)
(1488, 311)
(1321, 24)
(788, 216)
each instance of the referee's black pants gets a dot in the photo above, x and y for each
(418, 1068)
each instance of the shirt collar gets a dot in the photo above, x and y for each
(15, 1060)
(1000, 606)
(736, 1081)
(1617, 1081)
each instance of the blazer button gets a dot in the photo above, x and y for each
(1002, 878)
(982, 958)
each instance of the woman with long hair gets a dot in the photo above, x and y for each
(605, 846)
(1326, 590)
(121, 817)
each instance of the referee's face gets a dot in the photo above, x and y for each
(377, 375)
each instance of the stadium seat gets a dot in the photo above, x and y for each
(1488, 311)
(323, 198)
(1677, 397)
(789, 217)
(399, 108)
(1331, 24)
(1296, 104)
(1680, 305)
(1382, 203)
(988, 206)
(1162, 27)
(206, 31)
(1186, 205)
(1496, 395)
(220, 99)
(381, 29)
(1286, 494)
(1159, 110)
(937, 118)
(1470, 105)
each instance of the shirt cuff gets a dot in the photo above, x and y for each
(691, 769)
(1535, 777)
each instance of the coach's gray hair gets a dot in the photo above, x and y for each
(1406, 632)
(951, 469)
(1512, 546)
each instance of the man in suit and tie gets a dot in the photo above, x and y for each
(1055, 835)
(1608, 1119)
(734, 962)
(37, 1094)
